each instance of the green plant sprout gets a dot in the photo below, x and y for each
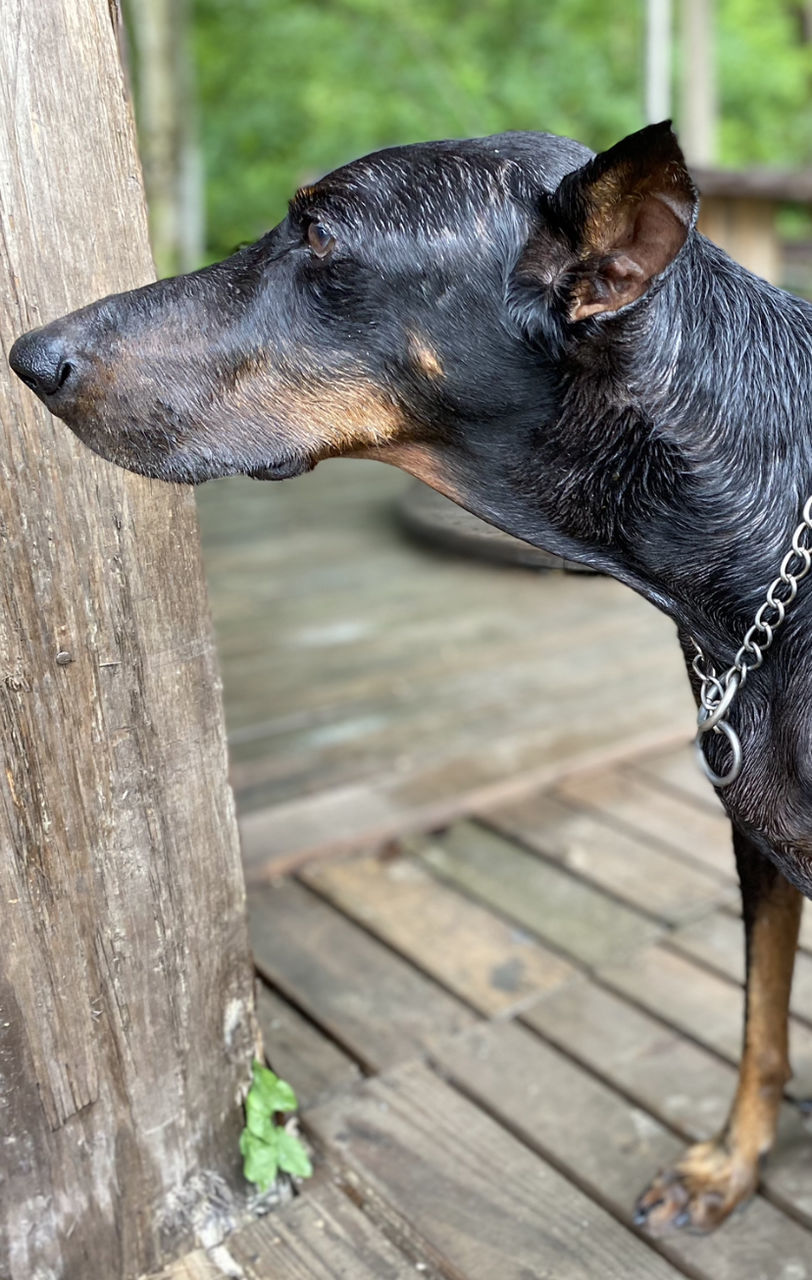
(265, 1144)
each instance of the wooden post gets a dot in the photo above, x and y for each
(126, 1004)
(659, 24)
(698, 110)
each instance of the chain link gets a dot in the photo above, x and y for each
(716, 693)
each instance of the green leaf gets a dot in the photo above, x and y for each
(258, 1117)
(292, 1156)
(250, 1142)
(276, 1094)
(284, 1099)
(267, 1147)
(260, 1160)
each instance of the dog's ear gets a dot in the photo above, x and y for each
(614, 225)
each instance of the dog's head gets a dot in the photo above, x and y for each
(408, 307)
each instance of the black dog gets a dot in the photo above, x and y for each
(542, 335)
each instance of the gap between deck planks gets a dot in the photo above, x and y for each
(278, 839)
(529, 1072)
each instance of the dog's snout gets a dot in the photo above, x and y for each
(43, 361)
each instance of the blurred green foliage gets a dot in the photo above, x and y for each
(291, 88)
(765, 81)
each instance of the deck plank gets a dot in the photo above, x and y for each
(634, 804)
(321, 1236)
(416, 793)
(299, 1053)
(565, 912)
(370, 1001)
(698, 1002)
(718, 940)
(493, 965)
(484, 1205)
(194, 1266)
(669, 1075)
(603, 1077)
(613, 1150)
(673, 1078)
(657, 882)
(676, 770)
(374, 689)
(371, 682)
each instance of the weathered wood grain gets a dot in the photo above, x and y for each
(194, 1266)
(613, 1150)
(698, 1002)
(125, 987)
(378, 1007)
(415, 797)
(555, 906)
(621, 1078)
(718, 940)
(629, 800)
(374, 686)
(670, 1076)
(493, 965)
(321, 1236)
(628, 866)
(666, 1073)
(481, 1204)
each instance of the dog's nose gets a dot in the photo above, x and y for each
(43, 362)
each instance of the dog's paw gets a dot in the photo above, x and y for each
(698, 1192)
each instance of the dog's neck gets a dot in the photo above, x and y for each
(677, 457)
(679, 454)
(725, 375)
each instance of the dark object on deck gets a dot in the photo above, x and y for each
(431, 518)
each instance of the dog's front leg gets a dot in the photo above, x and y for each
(712, 1177)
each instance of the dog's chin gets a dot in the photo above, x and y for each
(192, 465)
(282, 468)
(183, 469)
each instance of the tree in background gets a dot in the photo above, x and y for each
(765, 83)
(161, 68)
(289, 90)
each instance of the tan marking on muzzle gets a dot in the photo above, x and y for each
(325, 418)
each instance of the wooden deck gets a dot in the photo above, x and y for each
(502, 967)
(499, 1030)
(373, 686)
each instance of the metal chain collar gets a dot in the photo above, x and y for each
(716, 693)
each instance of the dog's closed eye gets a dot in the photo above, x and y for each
(321, 240)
